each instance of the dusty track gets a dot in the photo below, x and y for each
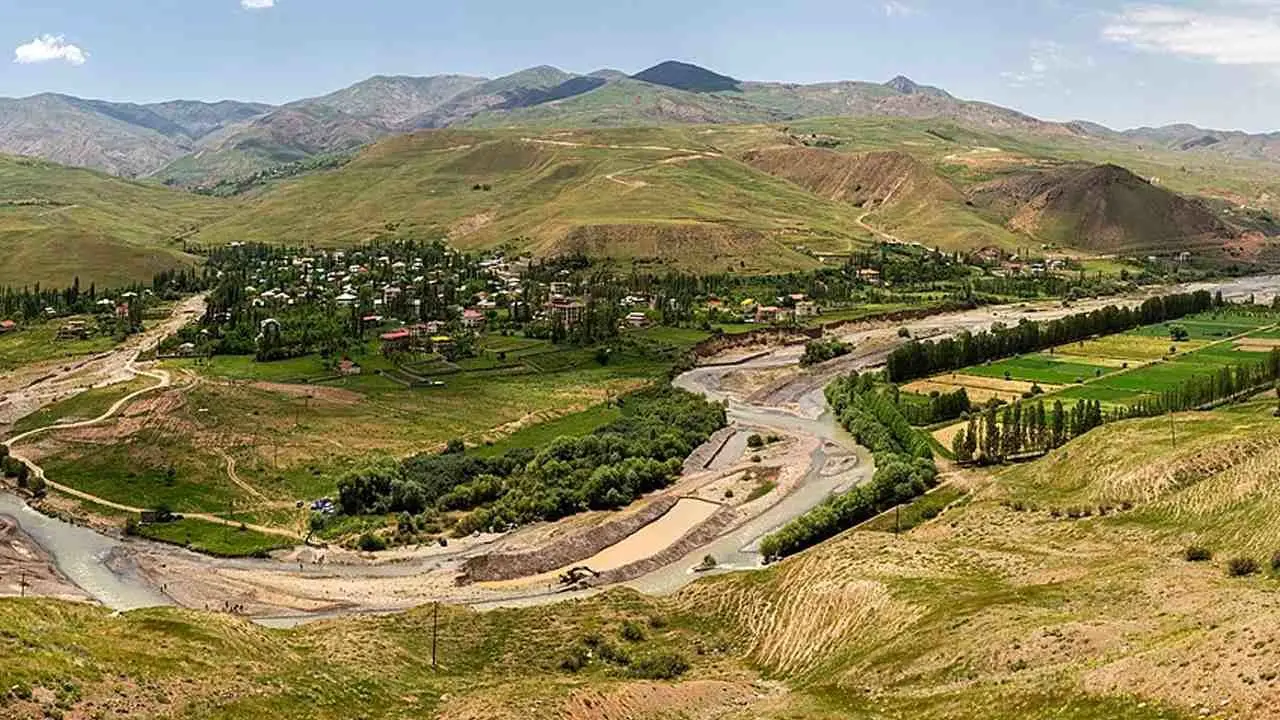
(791, 403)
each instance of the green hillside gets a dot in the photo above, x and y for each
(58, 222)
(657, 196)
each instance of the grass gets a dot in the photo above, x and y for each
(1042, 368)
(293, 441)
(85, 406)
(917, 512)
(213, 539)
(38, 343)
(539, 435)
(707, 214)
(106, 230)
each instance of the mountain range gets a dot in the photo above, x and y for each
(191, 144)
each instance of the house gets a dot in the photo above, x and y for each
(348, 368)
(773, 314)
(186, 349)
(74, 330)
(806, 309)
(869, 275)
(396, 341)
(7, 326)
(565, 313)
(346, 299)
(472, 319)
(560, 289)
(638, 320)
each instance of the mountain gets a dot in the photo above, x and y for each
(906, 86)
(1103, 208)
(390, 101)
(290, 134)
(193, 143)
(197, 119)
(683, 76)
(527, 87)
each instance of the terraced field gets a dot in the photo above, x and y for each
(1042, 368)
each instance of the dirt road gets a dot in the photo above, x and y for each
(303, 586)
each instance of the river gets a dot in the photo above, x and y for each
(793, 404)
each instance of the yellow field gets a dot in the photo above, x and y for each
(1125, 348)
(979, 389)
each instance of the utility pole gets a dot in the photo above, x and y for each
(435, 626)
(22, 585)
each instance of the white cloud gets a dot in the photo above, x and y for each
(48, 48)
(1045, 59)
(1229, 32)
(257, 4)
(896, 8)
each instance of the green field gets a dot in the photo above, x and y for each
(1040, 368)
(541, 434)
(213, 539)
(38, 343)
(1210, 326)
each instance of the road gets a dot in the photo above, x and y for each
(790, 403)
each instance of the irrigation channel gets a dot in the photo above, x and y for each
(791, 403)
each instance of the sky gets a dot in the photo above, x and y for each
(1215, 63)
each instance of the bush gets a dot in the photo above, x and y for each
(755, 442)
(1275, 562)
(1242, 566)
(632, 632)
(575, 660)
(1196, 553)
(660, 666)
(612, 653)
(371, 543)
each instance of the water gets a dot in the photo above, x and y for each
(81, 554)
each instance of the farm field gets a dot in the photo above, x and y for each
(1041, 368)
(1120, 369)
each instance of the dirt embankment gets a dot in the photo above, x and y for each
(703, 534)
(27, 570)
(491, 568)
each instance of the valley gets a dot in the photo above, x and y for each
(634, 396)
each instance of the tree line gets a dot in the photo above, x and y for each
(904, 468)
(1002, 433)
(919, 359)
(641, 451)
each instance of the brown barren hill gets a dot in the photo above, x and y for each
(875, 177)
(1103, 208)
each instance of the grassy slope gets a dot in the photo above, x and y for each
(704, 212)
(1001, 608)
(106, 230)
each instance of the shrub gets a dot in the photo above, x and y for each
(613, 653)
(755, 442)
(660, 666)
(632, 632)
(575, 660)
(1275, 562)
(371, 543)
(1197, 553)
(1242, 566)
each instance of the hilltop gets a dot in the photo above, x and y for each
(192, 144)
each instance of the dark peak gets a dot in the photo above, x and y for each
(907, 86)
(684, 76)
(904, 85)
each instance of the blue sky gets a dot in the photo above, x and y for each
(1211, 62)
